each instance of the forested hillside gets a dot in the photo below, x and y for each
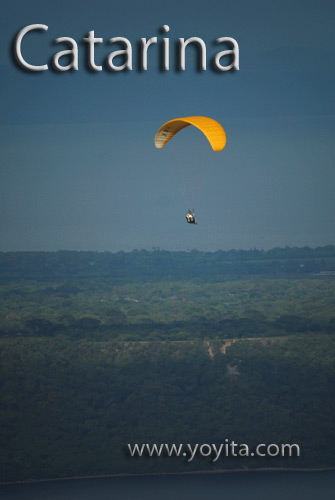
(101, 350)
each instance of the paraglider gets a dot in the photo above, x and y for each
(190, 217)
(212, 130)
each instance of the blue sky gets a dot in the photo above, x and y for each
(79, 169)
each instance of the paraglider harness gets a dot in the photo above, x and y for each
(190, 217)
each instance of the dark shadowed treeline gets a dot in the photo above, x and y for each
(70, 408)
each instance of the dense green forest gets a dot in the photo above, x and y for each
(99, 350)
(162, 295)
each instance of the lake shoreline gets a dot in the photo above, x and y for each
(223, 471)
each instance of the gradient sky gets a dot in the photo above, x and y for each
(79, 169)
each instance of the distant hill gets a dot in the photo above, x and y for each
(144, 265)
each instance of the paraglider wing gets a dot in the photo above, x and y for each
(209, 127)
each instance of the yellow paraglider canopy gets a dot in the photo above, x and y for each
(209, 127)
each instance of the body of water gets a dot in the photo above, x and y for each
(229, 486)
